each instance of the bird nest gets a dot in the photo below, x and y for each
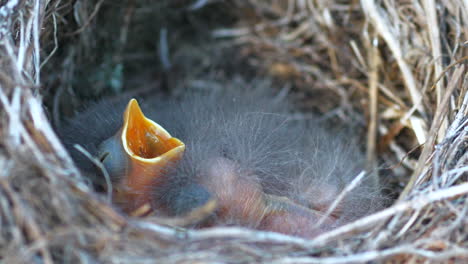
(396, 69)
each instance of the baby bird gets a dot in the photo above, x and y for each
(236, 148)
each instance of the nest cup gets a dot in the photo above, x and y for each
(395, 71)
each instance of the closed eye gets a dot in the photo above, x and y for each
(103, 156)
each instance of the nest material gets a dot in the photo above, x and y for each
(398, 69)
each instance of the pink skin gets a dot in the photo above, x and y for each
(293, 219)
(242, 200)
(239, 198)
(319, 196)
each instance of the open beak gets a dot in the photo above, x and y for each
(148, 152)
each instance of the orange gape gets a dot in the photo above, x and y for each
(151, 150)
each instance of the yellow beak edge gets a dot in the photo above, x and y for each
(151, 151)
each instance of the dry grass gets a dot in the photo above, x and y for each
(396, 68)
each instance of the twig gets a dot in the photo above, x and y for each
(90, 18)
(383, 28)
(415, 204)
(32, 228)
(373, 109)
(354, 183)
(438, 118)
(101, 167)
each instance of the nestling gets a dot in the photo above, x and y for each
(237, 148)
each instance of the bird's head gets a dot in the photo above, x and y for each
(138, 155)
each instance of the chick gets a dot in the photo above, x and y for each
(238, 148)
